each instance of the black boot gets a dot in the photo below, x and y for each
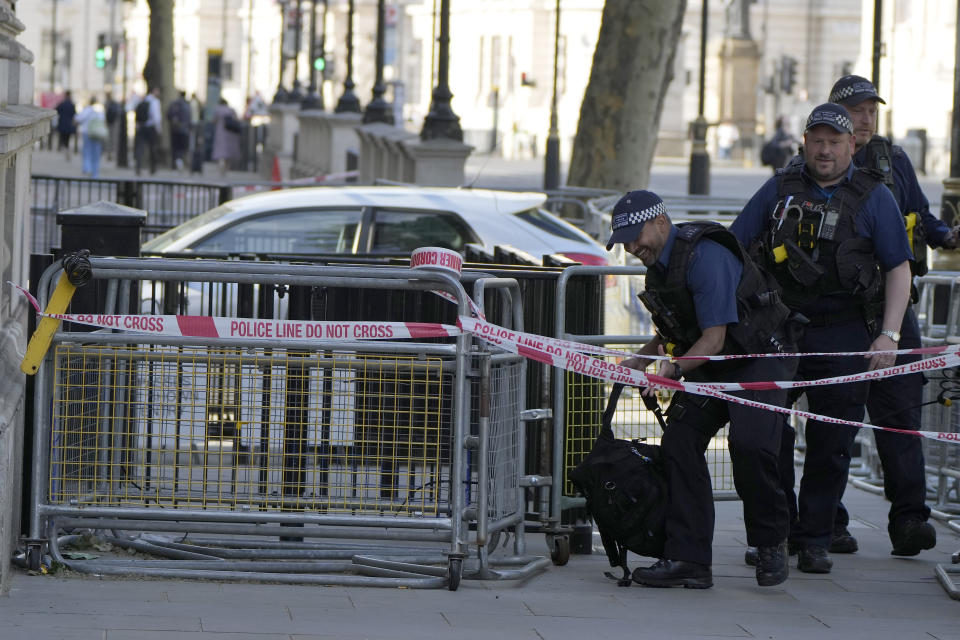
(674, 573)
(842, 541)
(911, 536)
(772, 567)
(814, 559)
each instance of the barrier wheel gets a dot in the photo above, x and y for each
(560, 550)
(454, 573)
(34, 555)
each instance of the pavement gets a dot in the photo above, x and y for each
(870, 594)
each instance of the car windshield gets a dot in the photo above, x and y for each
(174, 234)
(307, 231)
(553, 225)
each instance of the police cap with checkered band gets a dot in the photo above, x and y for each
(852, 90)
(832, 115)
(631, 212)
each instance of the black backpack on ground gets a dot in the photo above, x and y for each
(626, 490)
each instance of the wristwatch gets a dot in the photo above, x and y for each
(893, 335)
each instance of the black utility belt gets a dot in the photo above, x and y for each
(833, 317)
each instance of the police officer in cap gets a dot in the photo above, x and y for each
(895, 402)
(707, 297)
(827, 230)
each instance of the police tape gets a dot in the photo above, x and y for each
(493, 334)
(241, 328)
(561, 355)
(558, 353)
(548, 352)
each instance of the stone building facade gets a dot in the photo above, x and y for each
(21, 125)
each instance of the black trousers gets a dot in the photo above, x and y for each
(895, 402)
(145, 138)
(827, 457)
(754, 442)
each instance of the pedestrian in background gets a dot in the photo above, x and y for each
(727, 137)
(66, 112)
(114, 115)
(92, 122)
(179, 120)
(149, 122)
(780, 148)
(226, 136)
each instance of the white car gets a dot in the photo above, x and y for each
(391, 220)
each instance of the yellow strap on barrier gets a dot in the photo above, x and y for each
(910, 220)
(43, 336)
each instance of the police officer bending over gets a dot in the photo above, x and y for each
(707, 297)
(834, 239)
(895, 402)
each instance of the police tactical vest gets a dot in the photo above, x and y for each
(879, 157)
(813, 248)
(760, 310)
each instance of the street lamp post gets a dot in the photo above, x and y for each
(441, 121)
(349, 103)
(53, 49)
(378, 109)
(551, 160)
(950, 201)
(313, 100)
(950, 205)
(699, 176)
(877, 42)
(281, 95)
(296, 95)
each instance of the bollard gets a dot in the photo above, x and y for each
(105, 229)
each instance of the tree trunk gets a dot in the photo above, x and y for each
(158, 71)
(620, 114)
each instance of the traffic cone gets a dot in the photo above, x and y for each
(276, 177)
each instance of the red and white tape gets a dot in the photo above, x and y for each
(564, 354)
(547, 352)
(294, 330)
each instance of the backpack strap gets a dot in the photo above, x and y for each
(650, 402)
(620, 561)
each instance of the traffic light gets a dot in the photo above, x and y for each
(101, 54)
(788, 74)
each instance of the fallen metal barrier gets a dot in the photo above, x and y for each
(231, 457)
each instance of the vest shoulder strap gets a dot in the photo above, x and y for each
(688, 234)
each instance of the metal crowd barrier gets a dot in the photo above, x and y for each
(680, 207)
(227, 454)
(938, 314)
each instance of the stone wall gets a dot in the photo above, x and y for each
(21, 124)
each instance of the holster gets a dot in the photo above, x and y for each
(800, 266)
